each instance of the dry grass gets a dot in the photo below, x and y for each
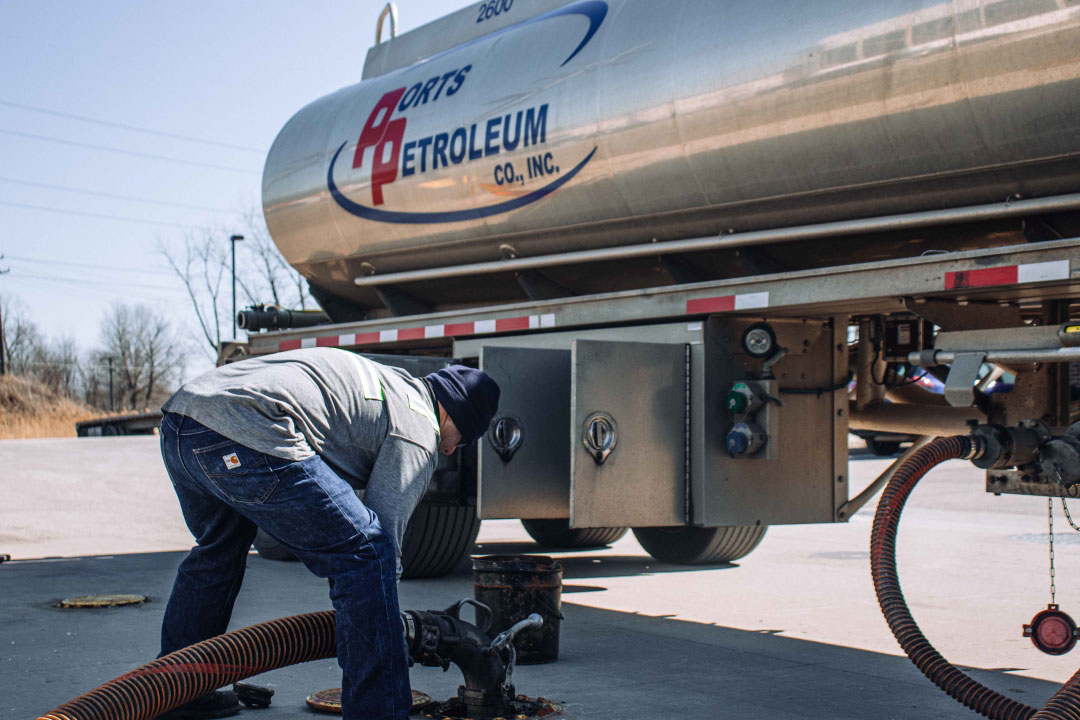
(29, 409)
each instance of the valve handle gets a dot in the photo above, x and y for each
(482, 611)
(504, 638)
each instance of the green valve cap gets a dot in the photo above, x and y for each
(737, 402)
(739, 398)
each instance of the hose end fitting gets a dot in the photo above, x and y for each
(997, 446)
(1059, 458)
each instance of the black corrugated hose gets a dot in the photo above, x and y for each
(186, 674)
(1064, 704)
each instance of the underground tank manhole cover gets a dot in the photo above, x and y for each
(99, 601)
(329, 701)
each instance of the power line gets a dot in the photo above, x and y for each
(82, 191)
(126, 293)
(84, 281)
(133, 128)
(76, 363)
(121, 151)
(118, 292)
(45, 208)
(91, 266)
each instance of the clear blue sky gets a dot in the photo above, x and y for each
(82, 203)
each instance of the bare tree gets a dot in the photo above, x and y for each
(201, 260)
(94, 379)
(267, 278)
(202, 264)
(27, 352)
(22, 340)
(56, 365)
(144, 352)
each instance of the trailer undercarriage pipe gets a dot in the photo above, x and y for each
(890, 223)
(913, 419)
(1066, 701)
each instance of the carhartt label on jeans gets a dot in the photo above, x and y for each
(231, 461)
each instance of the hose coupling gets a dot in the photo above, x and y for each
(997, 446)
(1059, 458)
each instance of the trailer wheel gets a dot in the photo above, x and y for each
(437, 538)
(559, 534)
(271, 548)
(700, 545)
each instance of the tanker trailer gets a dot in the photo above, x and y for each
(697, 242)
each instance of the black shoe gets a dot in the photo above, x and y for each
(218, 704)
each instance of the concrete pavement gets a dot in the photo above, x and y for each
(791, 631)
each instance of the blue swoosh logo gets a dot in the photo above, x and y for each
(594, 10)
(416, 218)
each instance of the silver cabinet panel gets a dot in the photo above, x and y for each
(801, 475)
(534, 481)
(639, 391)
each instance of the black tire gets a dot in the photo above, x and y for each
(698, 545)
(271, 548)
(559, 534)
(883, 448)
(437, 538)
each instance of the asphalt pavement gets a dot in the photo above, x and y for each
(791, 631)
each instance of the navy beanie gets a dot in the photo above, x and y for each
(469, 396)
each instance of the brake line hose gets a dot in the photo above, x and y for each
(186, 674)
(1066, 701)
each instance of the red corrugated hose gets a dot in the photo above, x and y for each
(184, 675)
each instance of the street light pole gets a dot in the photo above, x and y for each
(3, 348)
(111, 408)
(234, 239)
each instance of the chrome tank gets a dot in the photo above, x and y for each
(600, 123)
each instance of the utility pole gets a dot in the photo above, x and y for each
(3, 347)
(110, 384)
(234, 239)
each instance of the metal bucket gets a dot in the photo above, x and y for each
(514, 586)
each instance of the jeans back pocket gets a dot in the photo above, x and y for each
(241, 474)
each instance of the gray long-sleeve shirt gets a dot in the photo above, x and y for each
(374, 425)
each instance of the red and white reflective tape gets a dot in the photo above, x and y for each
(478, 327)
(727, 303)
(1007, 275)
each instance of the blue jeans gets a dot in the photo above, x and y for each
(226, 491)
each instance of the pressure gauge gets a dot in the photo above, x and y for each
(759, 340)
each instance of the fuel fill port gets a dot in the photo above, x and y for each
(522, 707)
(744, 439)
